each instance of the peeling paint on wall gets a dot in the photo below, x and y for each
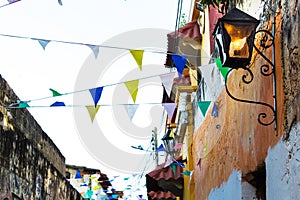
(282, 165)
(232, 189)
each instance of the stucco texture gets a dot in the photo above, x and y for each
(235, 140)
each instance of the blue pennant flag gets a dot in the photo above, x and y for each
(214, 112)
(96, 94)
(57, 103)
(43, 43)
(78, 175)
(160, 148)
(95, 49)
(179, 61)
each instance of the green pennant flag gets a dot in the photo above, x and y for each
(132, 87)
(23, 104)
(92, 111)
(55, 93)
(223, 70)
(187, 173)
(138, 57)
(173, 167)
(203, 105)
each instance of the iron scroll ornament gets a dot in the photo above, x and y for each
(265, 41)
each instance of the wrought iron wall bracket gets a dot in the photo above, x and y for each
(266, 40)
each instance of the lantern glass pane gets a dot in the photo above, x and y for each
(239, 33)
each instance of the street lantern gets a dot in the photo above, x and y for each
(168, 141)
(234, 34)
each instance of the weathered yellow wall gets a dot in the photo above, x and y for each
(235, 140)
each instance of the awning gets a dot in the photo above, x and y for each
(163, 181)
(187, 41)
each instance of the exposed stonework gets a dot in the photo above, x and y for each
(31, 166)
(290, 51)
(32, 131)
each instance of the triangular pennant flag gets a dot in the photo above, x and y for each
(167, 81)
(95, 49)
(43, 43)
(12, 1)
(170, 108)
(214, 111)
(96, 187)
(83, 184)
(180, 164)
(88, 194)
(169, 161)
(223, 70)
(132, 87)
(96, 94)
(186, 173)
(78, 174)
(60, 2)
(93, 111)
(23, 104)
(55, 93)
(131, 109)
(203, 105)
(171, 135)
(173, 167)
(138, 57)
(179, 61)
(160, 148)
(177, 146)
(57, 103)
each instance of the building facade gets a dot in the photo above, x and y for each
(236, 157)
(228, 153)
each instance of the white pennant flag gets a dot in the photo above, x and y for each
(131, 109)
(170, 108)
(213, 79)
(167, 81)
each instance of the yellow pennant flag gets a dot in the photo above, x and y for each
(138, 56)
(93, 111)
(96, 187)
(132, 87)
(172, 134)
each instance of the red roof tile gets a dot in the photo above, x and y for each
(186, 40)
(166, 173)
(161, 195)
(190, 30)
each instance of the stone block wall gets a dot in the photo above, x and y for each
(31, 166)
(25, 122)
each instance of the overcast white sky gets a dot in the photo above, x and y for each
(31, 71)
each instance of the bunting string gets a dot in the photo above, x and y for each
(10, 2)
(84, 90)
(46, 41)
(60, 104)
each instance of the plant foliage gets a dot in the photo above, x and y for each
(222, 5)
